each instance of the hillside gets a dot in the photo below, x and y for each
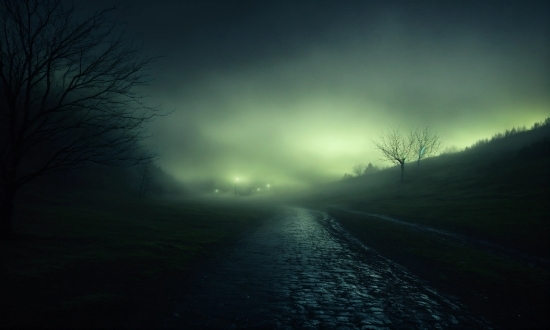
(473, 223)
(497, 190)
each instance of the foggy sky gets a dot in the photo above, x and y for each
(293, 92)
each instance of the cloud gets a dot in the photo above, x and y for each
(309, 114)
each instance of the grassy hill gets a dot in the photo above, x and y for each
(495, 194)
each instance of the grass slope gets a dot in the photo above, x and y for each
(91, 261)
(498, 195)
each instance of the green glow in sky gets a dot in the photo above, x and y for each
(307, 111)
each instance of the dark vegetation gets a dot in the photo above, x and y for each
(495, 195)
(68, 95)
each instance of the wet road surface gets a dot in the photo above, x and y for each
(302, 270)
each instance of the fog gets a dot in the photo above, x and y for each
(293, 93)
(191, 163)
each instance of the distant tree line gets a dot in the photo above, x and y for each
(508, 133)
(141, 181)
(361, 170)
(402, 147)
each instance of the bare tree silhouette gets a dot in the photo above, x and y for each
(358, 169)
(370, 168)
(396, 147)
(145, 177)
(68, 94)
(427, 143)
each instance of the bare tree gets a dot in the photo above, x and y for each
(145, 177)
(358, 169)
(370, 169)
(396, 147)
(427, 143)
(68, 94)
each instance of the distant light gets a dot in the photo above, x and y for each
(216, 191)
(268, 185)
(258, 189)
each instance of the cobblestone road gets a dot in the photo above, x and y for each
(302, 270)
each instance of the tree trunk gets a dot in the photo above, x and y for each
(6, 212)
(402, 171)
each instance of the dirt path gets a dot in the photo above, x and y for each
(302, 270)
(480, 244)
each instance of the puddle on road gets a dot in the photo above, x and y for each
(300, 270)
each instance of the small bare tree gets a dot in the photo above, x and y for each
(145, 177)
(358, 169)
(396, 147)
(67, 94)
(427, 143)
(370, 169)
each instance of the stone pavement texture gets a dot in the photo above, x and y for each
(301, 270)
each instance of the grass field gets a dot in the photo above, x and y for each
(108, 261)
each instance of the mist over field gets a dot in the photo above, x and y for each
(293, 93)
(274, 164)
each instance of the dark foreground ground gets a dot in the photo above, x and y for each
(85, 260)
(509, 286)
(110, 262)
